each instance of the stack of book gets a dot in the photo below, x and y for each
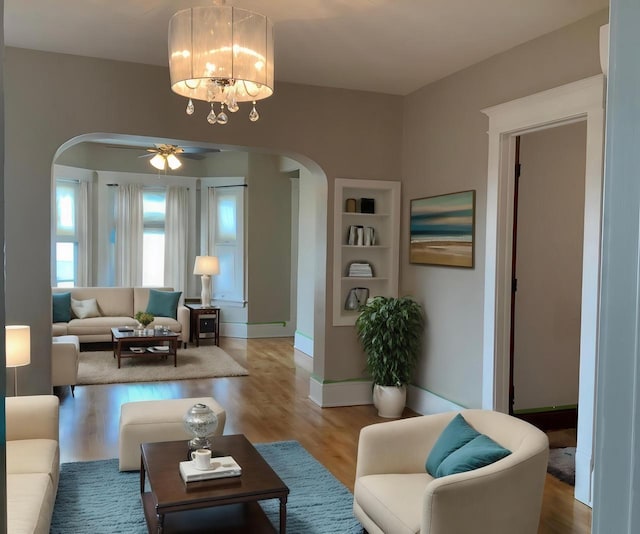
(360, 270)
(221, 467)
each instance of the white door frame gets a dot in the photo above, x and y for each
(577, 101)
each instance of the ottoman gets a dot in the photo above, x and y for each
(154, 421)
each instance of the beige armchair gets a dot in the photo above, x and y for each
(65, 352)
(394, 494)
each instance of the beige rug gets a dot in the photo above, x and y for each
(201, 362)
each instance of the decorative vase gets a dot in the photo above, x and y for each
(389, 400)
(201, 421)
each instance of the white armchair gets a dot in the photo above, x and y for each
(394, 494)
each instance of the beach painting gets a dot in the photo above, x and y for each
(442, 229)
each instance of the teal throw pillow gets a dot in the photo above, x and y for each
(477, 453)
(163, 303)
(61, 307)
(456, 434)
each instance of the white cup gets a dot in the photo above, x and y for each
(201, 459)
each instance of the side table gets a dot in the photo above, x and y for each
(204, 323)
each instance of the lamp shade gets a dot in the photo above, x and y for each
(206, 265)
(18, 345)
(158, 161)
(218, 53)
(173, 162)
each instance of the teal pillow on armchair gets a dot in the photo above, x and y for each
(163, 303)
(456, 434)
(479, 452)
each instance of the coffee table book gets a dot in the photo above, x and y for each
(226, 466)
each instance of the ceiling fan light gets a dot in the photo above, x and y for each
(174, 162)
(158, 161)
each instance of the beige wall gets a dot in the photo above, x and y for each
(438, 144)
(335, 132)
(549, 267)
(444, 150)
(268, 240)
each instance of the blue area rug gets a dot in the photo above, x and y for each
(95, 498)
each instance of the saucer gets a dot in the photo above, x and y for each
(212, 466)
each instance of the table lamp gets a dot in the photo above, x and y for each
(206, 266)
(18, 349)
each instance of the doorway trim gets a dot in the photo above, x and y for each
(578, 101)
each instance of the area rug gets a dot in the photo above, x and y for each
(201, 362)
(562, 464)
(96, 497)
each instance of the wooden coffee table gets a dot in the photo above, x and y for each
(147, 339)
(231, 504)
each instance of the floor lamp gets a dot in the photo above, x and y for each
(206, 266)
(18, 350)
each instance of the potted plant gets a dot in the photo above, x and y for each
(144, 318)
(390, 331)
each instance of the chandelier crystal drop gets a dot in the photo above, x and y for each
(222, 117)
(254, 115)
(221, 54)
(212, 118)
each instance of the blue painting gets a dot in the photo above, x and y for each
(442, 229)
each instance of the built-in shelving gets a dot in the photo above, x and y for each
(383, 256)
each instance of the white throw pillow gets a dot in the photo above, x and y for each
(85, 308)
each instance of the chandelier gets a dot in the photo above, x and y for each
(222, 55)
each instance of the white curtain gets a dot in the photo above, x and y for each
(129, 231)
(176, 235)
(83, 225)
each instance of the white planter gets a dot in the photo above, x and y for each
(389, 400)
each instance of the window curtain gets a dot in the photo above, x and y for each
(176, 232)
(129, 231)
(83, 225)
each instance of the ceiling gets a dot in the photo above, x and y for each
(387, 46)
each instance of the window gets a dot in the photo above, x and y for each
(66, 234)
(226, 241)
(153, 214)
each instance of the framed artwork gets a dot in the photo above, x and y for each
(443, 229)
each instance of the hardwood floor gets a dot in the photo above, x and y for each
(271, 404)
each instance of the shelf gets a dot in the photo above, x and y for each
(360, 247)
(364, 278)
(358, 214)
(384, 258)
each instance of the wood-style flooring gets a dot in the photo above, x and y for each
(271, 404)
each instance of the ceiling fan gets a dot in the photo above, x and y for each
(163, 155)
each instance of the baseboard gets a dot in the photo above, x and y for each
(584, 476)
(250, 331)
(303, 343)
(552, 419)
(424, 402)
(304, 361)
(356, 392)
(343, 393)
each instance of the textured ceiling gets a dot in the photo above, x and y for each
(388, 46)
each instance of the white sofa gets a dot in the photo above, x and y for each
(117, 306)
(33, 463)
(394, 494)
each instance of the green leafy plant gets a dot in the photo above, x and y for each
(144, 318)
(390, 331)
